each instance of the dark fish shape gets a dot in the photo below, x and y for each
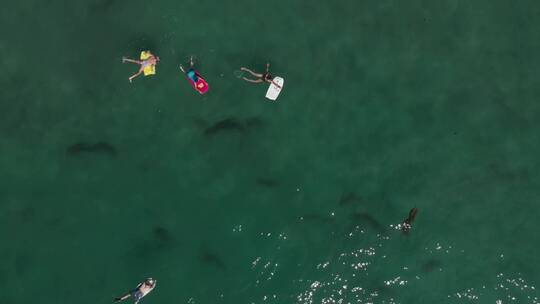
(98, 148)
(267, 182)
(407, 223)
(253, 122)
(431, 265)
(27, 214)
(161, 241)
(101, 5)
(23, 263)
(199, 122)
(317, 218)
(162, 234)
(211, 259)
(229, 124)
(349, 198)
(368, 220)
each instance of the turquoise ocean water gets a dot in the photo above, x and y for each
(387, 105)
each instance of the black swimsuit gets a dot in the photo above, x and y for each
(267, 77)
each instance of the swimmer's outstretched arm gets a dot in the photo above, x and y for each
(182, 69)
(124, 59)
(251, 72)
(251, 80)
(267, 67)
(122, 298)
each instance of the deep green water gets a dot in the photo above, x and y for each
(392, 104)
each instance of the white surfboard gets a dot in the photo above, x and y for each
(274, 90)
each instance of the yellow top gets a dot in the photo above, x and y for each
(150, 69)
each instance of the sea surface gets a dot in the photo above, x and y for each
(227, 198)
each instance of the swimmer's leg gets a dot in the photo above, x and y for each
(251, 72)
(137, 296)
(124, 60)
(122, 298)
(135, 75)
(251, 80)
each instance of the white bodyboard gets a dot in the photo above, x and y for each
(274, 90)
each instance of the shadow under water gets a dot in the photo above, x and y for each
(161, 234)
(431, 265)
(267, 182)
(100, 6)
(95, 148)
(349, 198)
(161, 241)
(209, 258)
(365, 220)
(317, 218)
(229, 124)
(233, 124)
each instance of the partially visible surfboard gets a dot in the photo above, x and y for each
(273, 90)
(201, 85)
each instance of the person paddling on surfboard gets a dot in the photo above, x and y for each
(195, 79)
(138, 293)
(407, 223)
(150, 61)
(266, 77)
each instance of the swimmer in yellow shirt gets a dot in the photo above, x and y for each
(148, 62)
